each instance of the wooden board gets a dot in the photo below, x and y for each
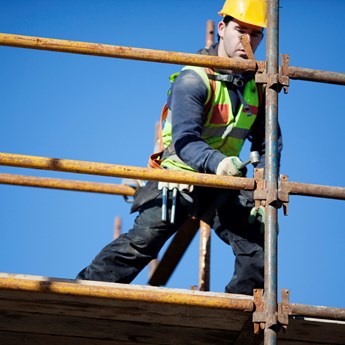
(39, 310)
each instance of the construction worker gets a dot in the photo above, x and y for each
(209, 115)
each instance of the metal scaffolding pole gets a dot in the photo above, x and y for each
(126, 294)
(132, 53)
(209, 33)
(319, 191)
(205, 229)
(271, 173)
(122, 52)
(285, 188)
(315, 75)
(204, 256)
(115, 170)
(318, 312)
(54, 183)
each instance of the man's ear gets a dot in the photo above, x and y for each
(221, 28)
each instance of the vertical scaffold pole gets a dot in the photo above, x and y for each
(271, 172)
(205, 230)
(209, 33)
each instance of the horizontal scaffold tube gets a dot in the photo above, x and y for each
(124, 292)
(318, 311)
(114, 170)
(315, 75)
(54, 183)
(122, 52)
(320, 191)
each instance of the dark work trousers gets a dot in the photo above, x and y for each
(122, 259)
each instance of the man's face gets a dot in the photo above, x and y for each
(230, 44)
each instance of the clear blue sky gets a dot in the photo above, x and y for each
(104, 110)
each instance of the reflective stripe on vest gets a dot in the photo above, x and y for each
(230, 131)
(222, 130)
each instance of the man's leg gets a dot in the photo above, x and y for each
(123, 259)
(231, 225)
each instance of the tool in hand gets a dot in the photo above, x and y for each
(254, 158)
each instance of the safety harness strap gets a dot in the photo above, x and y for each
(238, 82)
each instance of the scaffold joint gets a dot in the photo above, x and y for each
(278, 198)
(260, 192)
(283, 75)
(276, 81)
(284, 309)
(283, 194)
(261, 318)
(259, 315)
(262, 196)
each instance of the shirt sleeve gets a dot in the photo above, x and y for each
(186, 102)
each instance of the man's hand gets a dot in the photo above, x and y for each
(258, 214)
(230, 166)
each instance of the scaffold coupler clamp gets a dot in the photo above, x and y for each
(262, 197)
(275, 81)
(259, 315)
(283, 193)
(279, 320)
(284, 309)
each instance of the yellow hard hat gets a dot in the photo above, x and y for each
(247, 11)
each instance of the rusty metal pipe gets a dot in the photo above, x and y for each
(117, 227)
(205, 230)
(122, 52)
(271, 175)
(205, 257)
(74, 185)
(209, 33)
(106, 50)
(331, 192)
(317, 311)
(315, 75)
(114, 170)
(124, 293)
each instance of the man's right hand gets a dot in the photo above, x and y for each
(230, 166)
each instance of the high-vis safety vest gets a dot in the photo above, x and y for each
(222, 130)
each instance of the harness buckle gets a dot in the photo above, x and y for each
(227, 78)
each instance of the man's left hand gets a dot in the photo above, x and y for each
(259, 215)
